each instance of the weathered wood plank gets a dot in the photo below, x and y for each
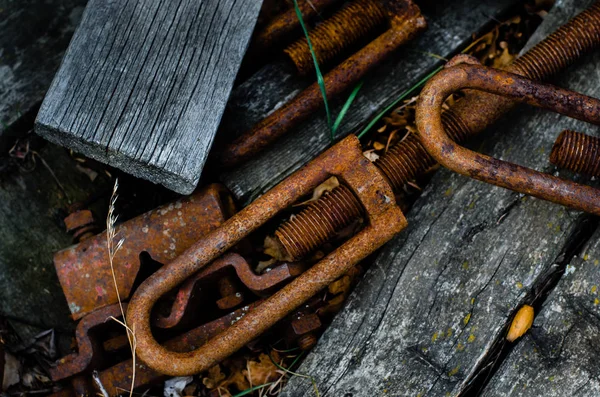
(144, 83)
(33, 37)
(451, 24)
(559, 356)
(438, 296)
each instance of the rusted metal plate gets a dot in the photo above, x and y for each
(164, 233)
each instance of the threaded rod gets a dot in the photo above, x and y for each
(577, 152)
(319, 222)
(330, 38)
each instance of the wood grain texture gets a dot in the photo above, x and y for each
(33, 37)
(450, 25)
(438, 297)
(144, 83)
(559, 356)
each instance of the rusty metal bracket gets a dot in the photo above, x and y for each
(163, 233)
(406, 22)
(383, 220)
(260, 285)
(88, 348)
(491, 170)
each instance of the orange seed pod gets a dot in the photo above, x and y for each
(521, 323)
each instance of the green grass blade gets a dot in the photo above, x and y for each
(345, 108)
(320, 80)
(253, 389)
(397, 101)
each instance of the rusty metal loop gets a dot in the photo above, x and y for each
(492, 170)
(344, 160)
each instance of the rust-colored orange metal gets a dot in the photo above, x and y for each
(88, 353)
(286, 24)
(118, 377)
(260, 285)
(331, 38)
(164, 233)
(502, 173)
(577, 152)
(406, 23)
(383, 220)
(408, 159)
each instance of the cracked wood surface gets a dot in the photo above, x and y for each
(144, 84)
(438, 296)
(450, 25)
(559, 356)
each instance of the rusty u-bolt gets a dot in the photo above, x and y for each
(491, 170)
(577, 152)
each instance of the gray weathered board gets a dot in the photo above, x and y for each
(450, 26)
(144, 83)
(559, 357)
(427, 316)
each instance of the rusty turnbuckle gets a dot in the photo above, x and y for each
(406, 22)
(332, 37)
(383, 219)
(488, 169)
(409, 159)
(577, 152)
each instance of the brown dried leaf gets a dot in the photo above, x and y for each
(262, 371)
(214, 377)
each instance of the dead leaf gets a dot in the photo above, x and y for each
(261, 372)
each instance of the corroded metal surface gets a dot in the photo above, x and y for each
(577, 152)
(81, 224)
(491, 170)
(88, 348)
(164, 233)
(286, 24)
(318, 223)
(383, 220)
(408, 159)
(260, 285)
(406, 23)
(329, 39)
(117, 378)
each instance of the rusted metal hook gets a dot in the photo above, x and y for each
(383, 220)
(492, 170)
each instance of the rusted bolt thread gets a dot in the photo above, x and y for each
(562, 47)
(329, 39)
(318, 222)
(287, 24)
(408, 159)
(577, 152)
(404, 161)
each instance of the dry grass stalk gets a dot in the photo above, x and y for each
(111, 235)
